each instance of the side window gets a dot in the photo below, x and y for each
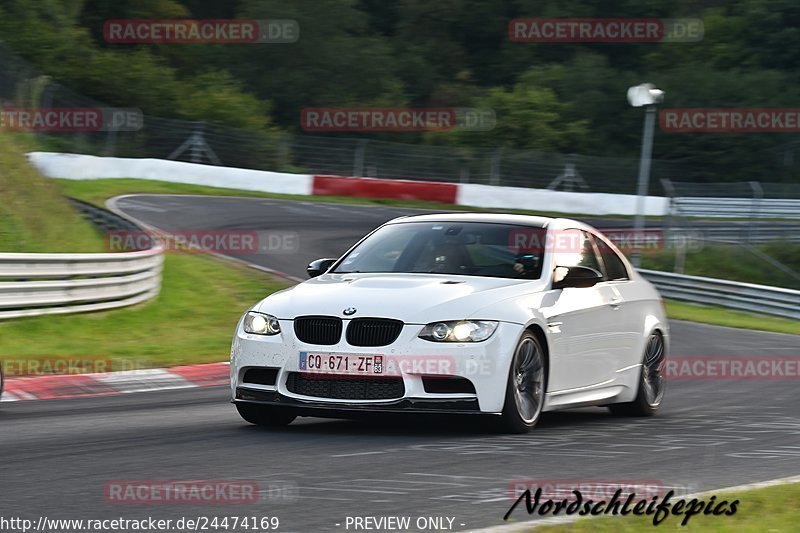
(615, 266)
(574, 248)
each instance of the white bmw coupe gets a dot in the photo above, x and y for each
(501, 315)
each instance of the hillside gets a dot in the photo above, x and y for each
(34, 215)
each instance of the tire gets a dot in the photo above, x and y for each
(651, 381)
(526, 386)
(265, 415)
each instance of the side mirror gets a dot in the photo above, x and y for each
(319, 267)
(579, 277)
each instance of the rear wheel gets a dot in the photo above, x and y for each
(651, 381)
(265, 415)
(526, 386)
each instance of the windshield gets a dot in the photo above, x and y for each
(467, 249)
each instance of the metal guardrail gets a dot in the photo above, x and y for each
(751, 233)
(102, 218)
(733, 233)
(46, 284)
(737, 207)
(752, 199)
(750, 297)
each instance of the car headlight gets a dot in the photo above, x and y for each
(458, 331)
(261, 324)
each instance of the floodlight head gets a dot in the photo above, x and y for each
(645, 94)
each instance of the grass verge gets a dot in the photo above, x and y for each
(735, 263)
(719, 316)
(770, 509)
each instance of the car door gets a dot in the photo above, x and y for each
(582, 318)
(624, 302)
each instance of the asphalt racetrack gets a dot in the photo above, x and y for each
(57, 456)
(328, 229)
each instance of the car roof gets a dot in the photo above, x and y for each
(493, 218)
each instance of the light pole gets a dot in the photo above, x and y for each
(645, 95)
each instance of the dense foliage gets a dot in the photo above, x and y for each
(549, 97)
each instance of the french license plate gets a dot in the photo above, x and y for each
(332, 363)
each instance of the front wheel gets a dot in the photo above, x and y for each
(651, 381)
(265, 415)
(526, 386)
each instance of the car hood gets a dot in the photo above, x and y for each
(412, 298)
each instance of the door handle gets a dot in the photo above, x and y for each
(615, 302)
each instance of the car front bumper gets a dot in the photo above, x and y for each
(485, 364)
